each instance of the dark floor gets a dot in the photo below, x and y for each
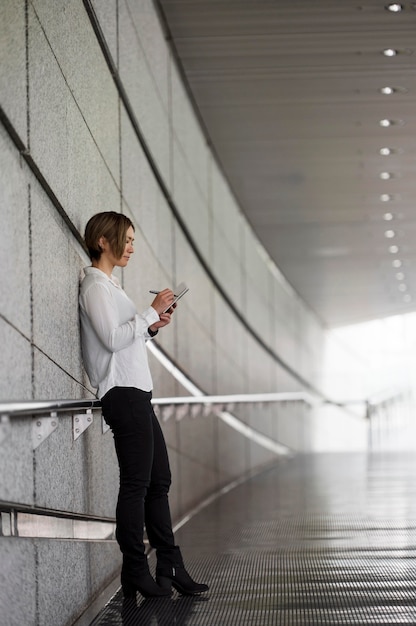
(325, 539)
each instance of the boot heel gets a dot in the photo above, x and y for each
(144, 584)
(179, 579)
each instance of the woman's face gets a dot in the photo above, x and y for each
(128, 250)
(108, 254)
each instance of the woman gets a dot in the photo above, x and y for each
(113, 336)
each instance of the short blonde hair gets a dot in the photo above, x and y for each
(111, 225)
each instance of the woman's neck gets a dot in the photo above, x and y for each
(104, 265)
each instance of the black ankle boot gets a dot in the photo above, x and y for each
(177, 577)
(143, 583)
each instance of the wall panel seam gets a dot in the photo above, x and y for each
(27, 157)
(9, 323)
(74, 99)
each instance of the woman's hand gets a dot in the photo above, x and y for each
(165, 319)
(162, 301)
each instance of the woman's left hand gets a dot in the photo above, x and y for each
(165, 319)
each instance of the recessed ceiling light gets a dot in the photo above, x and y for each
(385, 151)
(389, 234)
(394, 7)
(389, 52)
(396, 263)
(385, 197)
(393, 249)
(388, 217)
(386, 123)
(407, 297)
(385, 175)
(403, 287)
(400, 276)
(387, 91)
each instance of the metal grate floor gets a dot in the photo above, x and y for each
(320, 539)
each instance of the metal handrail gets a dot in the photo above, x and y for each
(36, 407)
(241, 398)
(43, 426)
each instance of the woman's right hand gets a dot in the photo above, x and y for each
(163, 300)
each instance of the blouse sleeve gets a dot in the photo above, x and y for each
(101, 308)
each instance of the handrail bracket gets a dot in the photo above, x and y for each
(42, 427)
(80, 423)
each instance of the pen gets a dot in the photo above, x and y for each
(156, 292)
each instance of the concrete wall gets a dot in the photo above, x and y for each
(70, 147)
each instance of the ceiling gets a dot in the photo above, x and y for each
(289, 94)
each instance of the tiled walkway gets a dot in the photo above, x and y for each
(325, 539)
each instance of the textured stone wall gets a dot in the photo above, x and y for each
(75, 141)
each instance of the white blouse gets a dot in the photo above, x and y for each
(113, 334)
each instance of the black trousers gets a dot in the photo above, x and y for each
(145, 479)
